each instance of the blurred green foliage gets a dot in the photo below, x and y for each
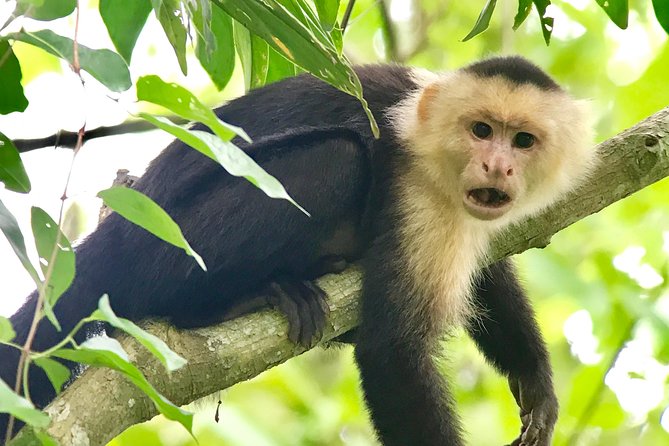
(599, 289)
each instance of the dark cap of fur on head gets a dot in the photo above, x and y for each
(514, 68)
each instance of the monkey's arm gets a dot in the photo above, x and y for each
(405, 392)
(507, 334)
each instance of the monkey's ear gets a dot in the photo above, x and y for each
(427, 99)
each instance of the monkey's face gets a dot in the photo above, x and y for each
(497, 150)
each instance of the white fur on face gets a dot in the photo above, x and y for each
(443, 244)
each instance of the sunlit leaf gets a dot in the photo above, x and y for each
(184, 103)
(10, 228)
(155, 345)
(259, 62)
(218, 58)
(661, 8)
(104, 65)
(327, 12)
(274, 24)
(11, 90)
(279, 67)
(55, 255)
(483, 21)
(231, 157)
(45, 9)
(21, 408)
(170, 17)
(124, 20)
(12, 172)
(57, 373)
(102, 351)
(144, 212)
(7, 332)
(617, 10)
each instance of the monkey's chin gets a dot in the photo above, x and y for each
(487, 203)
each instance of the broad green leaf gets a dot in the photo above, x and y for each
(259, 62)
(200, 12)
(170, 17)
(21, 408)
(12, 172)
(483, 21)
(55, 254)
(546, 22)
(279, 67)
(57, 373)
(218, 59)
(102, 351)
(124, 20)
(144, 212)
(661, 8)
(104, 65)
(281, 30)
(617, 10)
(155, 345)
(45, 438)
(7, 332)
(242, 38)
(45, 9)
(11, 90)
(11, 229)
(524, 8)
(231, 157)
(327, 12)
(184, 103)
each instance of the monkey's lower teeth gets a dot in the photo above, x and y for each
(489, 196)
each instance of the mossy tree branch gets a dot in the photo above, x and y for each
(101, 404)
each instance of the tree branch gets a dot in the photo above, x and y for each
(101, 404)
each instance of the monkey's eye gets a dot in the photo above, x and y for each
(481, 130)
(523, 140)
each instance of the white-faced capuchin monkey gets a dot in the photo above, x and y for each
(461, 156)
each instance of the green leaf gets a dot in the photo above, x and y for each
(259, 62)
(483, 21)
(11, 229)
(182, 102)
(11, 90)
(283, 32)
(169, 15)
(231, 157)
(51, 244)
(327, 12)
(45, 439)
(242, 37)
(104, 65)
(617, 10)
(279, 67)
(21, 408)
(7, 332)
(155, 345)
(57, 373)
(218, 58)
(144, 212)
(661, 8)
(524, 8)
(124, 20)
(102, 351)
(12, 172)
(45, 9)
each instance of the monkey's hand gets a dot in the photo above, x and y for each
(304, 305)
(538, 409)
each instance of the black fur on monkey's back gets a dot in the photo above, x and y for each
(317, 141)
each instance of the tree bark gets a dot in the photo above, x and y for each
(101, 403)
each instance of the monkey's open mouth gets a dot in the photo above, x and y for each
(489, 197)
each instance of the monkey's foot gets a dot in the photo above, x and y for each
(538, 411)
(304, 305)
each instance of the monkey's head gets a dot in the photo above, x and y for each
(499, 138)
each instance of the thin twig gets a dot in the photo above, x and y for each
(347, 15)
(388, 31)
